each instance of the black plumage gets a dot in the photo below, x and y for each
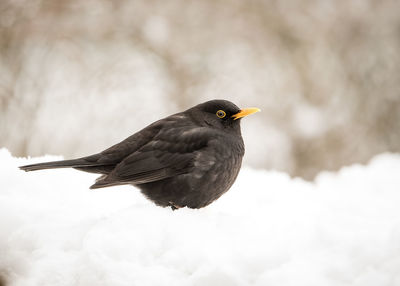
(188, 159)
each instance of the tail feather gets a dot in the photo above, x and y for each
(57, 164)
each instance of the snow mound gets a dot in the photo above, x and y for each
(269, 229)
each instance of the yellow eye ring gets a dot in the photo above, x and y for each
(221, 113)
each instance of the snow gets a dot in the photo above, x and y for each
(269, 229)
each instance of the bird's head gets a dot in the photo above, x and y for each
(220, 113)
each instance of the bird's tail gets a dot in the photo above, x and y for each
(56, 164)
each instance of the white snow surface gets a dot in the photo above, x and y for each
(269, 229)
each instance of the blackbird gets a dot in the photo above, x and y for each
(188, 159)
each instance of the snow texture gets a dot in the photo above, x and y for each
(269, 229)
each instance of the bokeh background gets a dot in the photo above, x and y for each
(77, 76)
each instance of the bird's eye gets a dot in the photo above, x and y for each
(221, 113)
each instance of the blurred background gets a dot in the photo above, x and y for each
(77, 76)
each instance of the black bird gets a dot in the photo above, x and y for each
(188, 159)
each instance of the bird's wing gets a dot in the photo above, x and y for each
(171, 152)
(118, 152)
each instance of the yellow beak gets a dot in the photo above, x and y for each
(246, 111)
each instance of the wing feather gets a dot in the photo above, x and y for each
(165, 156)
